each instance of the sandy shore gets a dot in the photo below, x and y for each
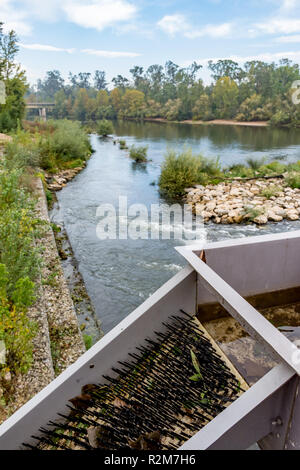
(217, 122)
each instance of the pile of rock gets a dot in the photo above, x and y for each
(58, 181)
(257, 201)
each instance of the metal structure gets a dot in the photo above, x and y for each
(42, 108)
(268, 412)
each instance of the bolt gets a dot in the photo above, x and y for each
(277, 421)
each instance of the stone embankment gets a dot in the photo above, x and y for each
(259, 201)
(58, 181)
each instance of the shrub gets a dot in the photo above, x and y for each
(293, 180)
(138, 154)
(20, 156)
(251, 213)
(276, 167)
(68, 142)
(123, 145)
(183, 170)
(239, 171)
(272, 191)
(105, 128)
(19, 262)
(255, 163)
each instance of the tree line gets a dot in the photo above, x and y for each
(12, 108)
(256, 91)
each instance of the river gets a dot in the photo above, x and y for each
(121, 274)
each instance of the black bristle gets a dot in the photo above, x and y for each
(150, 394)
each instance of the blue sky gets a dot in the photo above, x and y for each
(114, 35)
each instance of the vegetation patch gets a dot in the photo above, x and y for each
(105, 128)
(138, 154)
(182, 170)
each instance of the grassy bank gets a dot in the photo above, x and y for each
(51, 146)
(184, 170)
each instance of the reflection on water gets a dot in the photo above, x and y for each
(230, 143)
(121, 274)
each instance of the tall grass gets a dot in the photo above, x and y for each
(19, 263)
(66, 143)
(183, 170)
(138, 154)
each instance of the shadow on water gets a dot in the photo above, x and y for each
(121, 274)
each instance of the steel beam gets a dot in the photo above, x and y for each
(247, 316)
(258, 413)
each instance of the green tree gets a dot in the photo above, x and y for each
(133, 104)
(15, 82)
(225, 98)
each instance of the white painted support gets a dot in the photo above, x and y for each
(249, 418)
(179, 292)
(248, 317)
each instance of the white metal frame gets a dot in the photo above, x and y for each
(269, 411)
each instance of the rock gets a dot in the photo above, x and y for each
(261, 219)
(274, 217)
(292, 214)
(211, 206)
(221, 211)
(278, 211)
(7, 376)
(199, 208)
(189, 190)
(235, 192)
(207, 215)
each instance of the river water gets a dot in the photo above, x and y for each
(121, 274)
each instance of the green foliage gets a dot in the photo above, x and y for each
(123, 145)
(19, 260)
(15, 82)
(271, 191)
(88, 341)
(293, 180)
(23, 295)
(17, 332)
(183, 170)
(256, 91)
(138, 154)
(255, 163)
(105, 128)
(67, 142)
(198, 376)
(251, 213)
(225, 97)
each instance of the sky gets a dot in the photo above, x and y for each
(114, 35)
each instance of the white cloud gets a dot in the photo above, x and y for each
(288, 39)
(172, 24)
(279, 25)
(14, 18)
(214, 31)
(264, 57)
(287, 5)
(98, 14)
(110, 54)
(46, 47)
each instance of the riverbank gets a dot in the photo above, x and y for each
(216, 122)
(58, 341)
(41, 320)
